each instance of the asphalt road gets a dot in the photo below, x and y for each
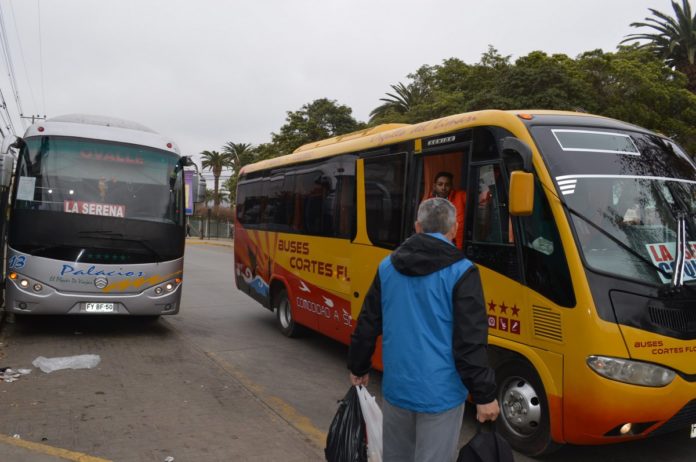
(200, 385)
(307, 375)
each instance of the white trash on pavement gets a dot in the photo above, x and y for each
(48, 365)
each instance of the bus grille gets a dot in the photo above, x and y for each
(547, 324)
(679, 320)
(682, 419)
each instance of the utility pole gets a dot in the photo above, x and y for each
(33, 117)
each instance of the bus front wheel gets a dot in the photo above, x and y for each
(524, 409)
(286, 322)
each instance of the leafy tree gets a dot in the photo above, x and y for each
(320, 119)
(216, 162)
(673, 39)
(631, 84)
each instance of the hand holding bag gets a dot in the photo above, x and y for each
(345, 441)
(372, 415)
(486, 446)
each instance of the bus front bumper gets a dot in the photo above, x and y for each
(604, 411)
(47, 301)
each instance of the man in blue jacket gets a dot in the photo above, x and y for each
(427, 303)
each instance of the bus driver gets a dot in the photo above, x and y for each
(442, 187)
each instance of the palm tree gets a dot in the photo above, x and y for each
(209, 197)
(674, 39)
(403, 100)
(242, 153)
(215, 161)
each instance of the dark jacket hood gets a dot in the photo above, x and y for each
(423, 254)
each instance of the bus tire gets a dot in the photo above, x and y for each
(524, 409)
(286, 321)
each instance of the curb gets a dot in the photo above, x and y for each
(208, 242)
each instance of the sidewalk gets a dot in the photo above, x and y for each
(154, 395)
(222, 242)
(15, 448)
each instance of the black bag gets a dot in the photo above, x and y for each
(346, 441)
(486, 446)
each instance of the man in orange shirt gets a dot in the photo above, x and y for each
(442, 187)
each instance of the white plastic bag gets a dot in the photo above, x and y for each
(66, 362)
(372, 415)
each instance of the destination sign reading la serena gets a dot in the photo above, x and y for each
(94, 208)
(663, 255)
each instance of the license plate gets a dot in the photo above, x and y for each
(693, 430)
(99, 307)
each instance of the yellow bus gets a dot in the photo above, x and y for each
(582, 228)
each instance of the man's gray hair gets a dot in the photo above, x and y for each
(436, 215)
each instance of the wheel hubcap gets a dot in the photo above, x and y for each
(284, 314)
(521, 407)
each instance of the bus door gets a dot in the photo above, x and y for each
(490, 237)
(443, 158)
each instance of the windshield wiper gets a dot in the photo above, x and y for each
(617, 241)
(98, 233)
(680, 258)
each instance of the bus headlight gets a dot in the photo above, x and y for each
(633, 372)
(24, 283)
(168, 286)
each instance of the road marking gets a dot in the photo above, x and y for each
(50, 450)
(286, 411)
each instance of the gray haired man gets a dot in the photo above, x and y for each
(427, 303)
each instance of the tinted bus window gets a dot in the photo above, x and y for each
(315, 199)
(545, 263)
(384, 197)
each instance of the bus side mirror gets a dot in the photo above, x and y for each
(512, 146)
(9, 142)
(521, 193)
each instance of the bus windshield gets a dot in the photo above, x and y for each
(625, 192)
(94, 177)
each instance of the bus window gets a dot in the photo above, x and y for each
(310, 188)
(492, 243)
(275, 214)
(251, 202)
(384, 196)
(490, 216)
(545, 263)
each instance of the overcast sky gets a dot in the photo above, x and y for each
(206, 72)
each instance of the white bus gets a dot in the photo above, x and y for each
(97, 222)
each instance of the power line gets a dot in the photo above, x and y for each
(8, 60)
(7, 122)
(41, 60)
(21, 54)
